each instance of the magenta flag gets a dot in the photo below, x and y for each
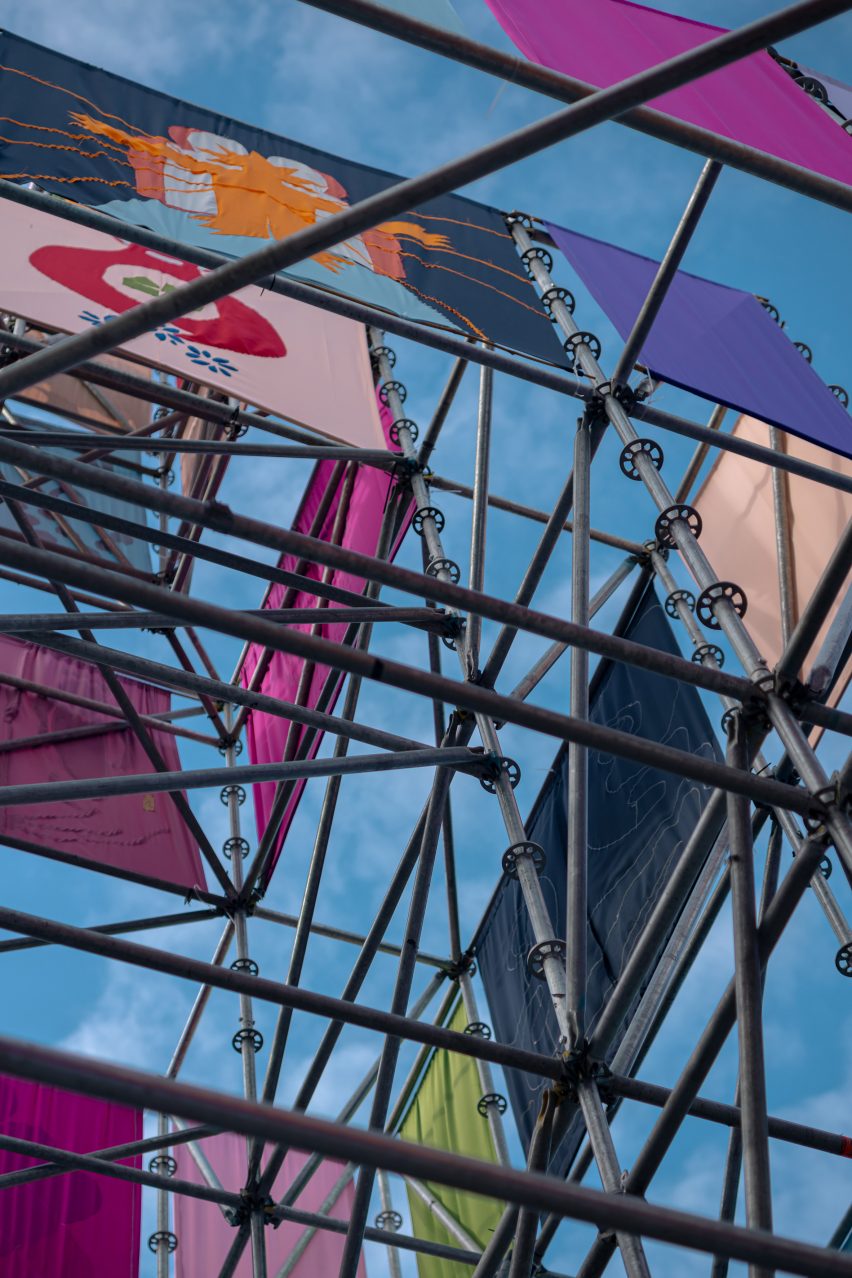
(141, 833)
(204, 1236)
(268, 734)
(752, 101)
(716, 341)
(77, 1225)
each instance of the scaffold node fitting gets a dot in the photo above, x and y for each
(709, 650)
(839, 392)
(163, 1236)
(388, 388)
(805, 350)
(163, 1165)
(389, 353)
(499, 766)
(478, 1029)
(843, 959)
(492, 1100)
(454, 628)
(639, 448)
(825, 867)
(236, 843)
(676, 597)
(390, 1220)
(250, 1035)
(245, 965)
(406, 423)
(537, 254)
(539, 953)
(224, 746)
(557, 294)
(770, 309)
(670, 516)
(449, 566)
(582, 338)
(232, 791)
(515, 218)
(713, 595)
(532, 851)
(427, 512)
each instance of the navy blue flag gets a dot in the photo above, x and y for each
(639, 821)
(209, 181)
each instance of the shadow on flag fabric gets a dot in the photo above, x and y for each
(281, 675)
(202, 179)
(716, 341)
(738, 510)
(282, 355)
(140, 833)
(205, 1237)
(752, 101)
(84, 402)
(639, 822)
(77, 1225)
(443, 1114)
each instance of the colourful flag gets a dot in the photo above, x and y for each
(202, 179)
(367, 497)
(444, 1115)
(752, 101)
(76, 1225)
(738, 509)
(282, 355)
(639, 822)
(205, 1237)
(716, 341)
(140, 833)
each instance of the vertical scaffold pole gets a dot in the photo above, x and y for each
(247, 1040)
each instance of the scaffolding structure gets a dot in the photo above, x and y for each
(806, 808)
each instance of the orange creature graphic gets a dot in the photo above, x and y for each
(233, 191)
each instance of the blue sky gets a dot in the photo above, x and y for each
(334, 85)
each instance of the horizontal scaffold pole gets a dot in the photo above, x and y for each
(375, 1149)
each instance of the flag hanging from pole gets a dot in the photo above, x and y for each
(205, 1237)
(444, 1114)
(359, 498)
(751, 101)
(202, 179)
(282, 355)
(737, 506)
(76, 1225)
(713, 340)
(46, 737)
(639, 822)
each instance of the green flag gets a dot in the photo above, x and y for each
(444, 1114)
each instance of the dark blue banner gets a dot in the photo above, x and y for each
(639, 821)
(209, 181)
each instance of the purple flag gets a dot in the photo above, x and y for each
(752, 101)
(77, 1225)
(713, 340)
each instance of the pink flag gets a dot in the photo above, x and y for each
(77, 1225)
(268, 734)
(140, 833)
(738, 511)
(279, 354)
(204, 1236)
(752, 101)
